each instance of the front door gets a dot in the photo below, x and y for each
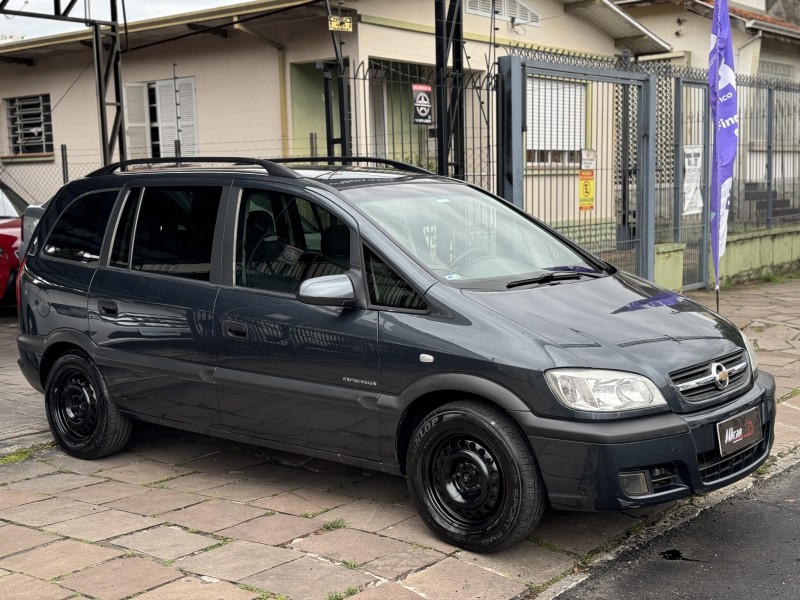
(288, 371)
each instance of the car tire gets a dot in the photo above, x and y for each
(83, 419)
(473, 477)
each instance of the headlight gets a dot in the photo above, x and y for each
(751, 354)
(603, 391)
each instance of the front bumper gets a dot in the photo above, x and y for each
(581, 461)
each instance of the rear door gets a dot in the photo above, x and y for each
(287, 371)
(151, 304)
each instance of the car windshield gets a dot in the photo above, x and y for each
(468, 238)
(11, 205)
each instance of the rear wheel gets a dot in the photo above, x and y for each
(473, 477)
(82, 417)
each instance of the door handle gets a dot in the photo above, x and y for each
(107, 308)
(234, 330)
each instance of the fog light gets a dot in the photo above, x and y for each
(634, 484)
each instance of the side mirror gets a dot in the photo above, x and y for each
(30, 219)
(330, 290)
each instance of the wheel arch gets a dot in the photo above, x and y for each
(428, 394)
(57, 344)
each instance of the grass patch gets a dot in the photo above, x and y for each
(351, 591)
(262, 594)
(339, 523)
(350, 564)
(311, 514)
(16, 457)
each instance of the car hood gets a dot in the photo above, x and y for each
(619, 321)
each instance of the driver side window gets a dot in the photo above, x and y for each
(282, 240)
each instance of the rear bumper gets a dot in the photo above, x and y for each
(581, 462)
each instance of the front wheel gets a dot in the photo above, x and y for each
(473, 477)
(83, 419)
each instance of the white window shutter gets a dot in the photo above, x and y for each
(137, 127)
(556, 114)
(167, 116)
(188, 121)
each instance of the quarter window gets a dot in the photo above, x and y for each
(283, 240)
(30, 126)
(174, 231)
(387, 288)
(78, 234)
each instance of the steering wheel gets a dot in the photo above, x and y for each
(466, 256)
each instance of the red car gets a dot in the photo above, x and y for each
(11, 209)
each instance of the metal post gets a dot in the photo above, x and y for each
(64, 164)
(646, 191)
(326, 72)
(449, 110)
(770, 142)
(178, 151)
(677, 162)
(344, 114)
(97, 48)
(312, 144)
(510, 126)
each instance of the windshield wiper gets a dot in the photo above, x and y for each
(552, 276)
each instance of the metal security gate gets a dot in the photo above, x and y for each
(577, 147)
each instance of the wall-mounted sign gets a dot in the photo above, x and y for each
(340, 23)
(423, 103)
(586, 190)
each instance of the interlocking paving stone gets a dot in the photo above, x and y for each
(154, 502)
(195, 588)
(10, 498)
(386, 591)
(108, 524)
(308, 579)
(197, 482)
(453, 578)
(326, 481)
(302, 501)
(166, 543)
(350, 545)
(104, 492)
(246, 491)
(414, 531)
(369, 515)
(16, 539)
(395, 565)
(556, 529)
(177, 451)
(120, 578)
(224, 462)
(59, 459)
(58, 558)
(25, 470)
(55, 482)
(146, 471)
(22, 587)
(47, 512)
(237, 560)
(273, 529)
(525, 562)
(213, 515)
(382, 488)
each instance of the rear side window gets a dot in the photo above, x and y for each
(173, 234)
(78, 233)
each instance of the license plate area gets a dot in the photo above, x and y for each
(739, 431)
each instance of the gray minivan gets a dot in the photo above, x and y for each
(387, 318)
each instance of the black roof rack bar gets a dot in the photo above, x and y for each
(400, 166)
(269, 166)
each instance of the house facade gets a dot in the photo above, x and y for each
(245, 79)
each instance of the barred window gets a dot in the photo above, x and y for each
(30, 126)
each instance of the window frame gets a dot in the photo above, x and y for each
(565, 158)
(14, 117)
(364, 244)
(502, 10)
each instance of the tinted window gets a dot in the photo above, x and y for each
(78, 233)
(387, 288)
(283, 240)
(120, 252)
(174, 231)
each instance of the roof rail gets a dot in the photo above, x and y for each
(269, 166)
(400, 166)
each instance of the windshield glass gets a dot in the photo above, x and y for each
(464, 236)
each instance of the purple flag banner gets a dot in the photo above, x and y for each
(725, 117)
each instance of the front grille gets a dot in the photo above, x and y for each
(713, 468)
(697, 384)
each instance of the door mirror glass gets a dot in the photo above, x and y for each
(329, 290)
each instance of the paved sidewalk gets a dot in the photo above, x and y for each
(179, 516)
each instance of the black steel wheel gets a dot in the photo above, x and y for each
(83, 419)
(473, 477)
